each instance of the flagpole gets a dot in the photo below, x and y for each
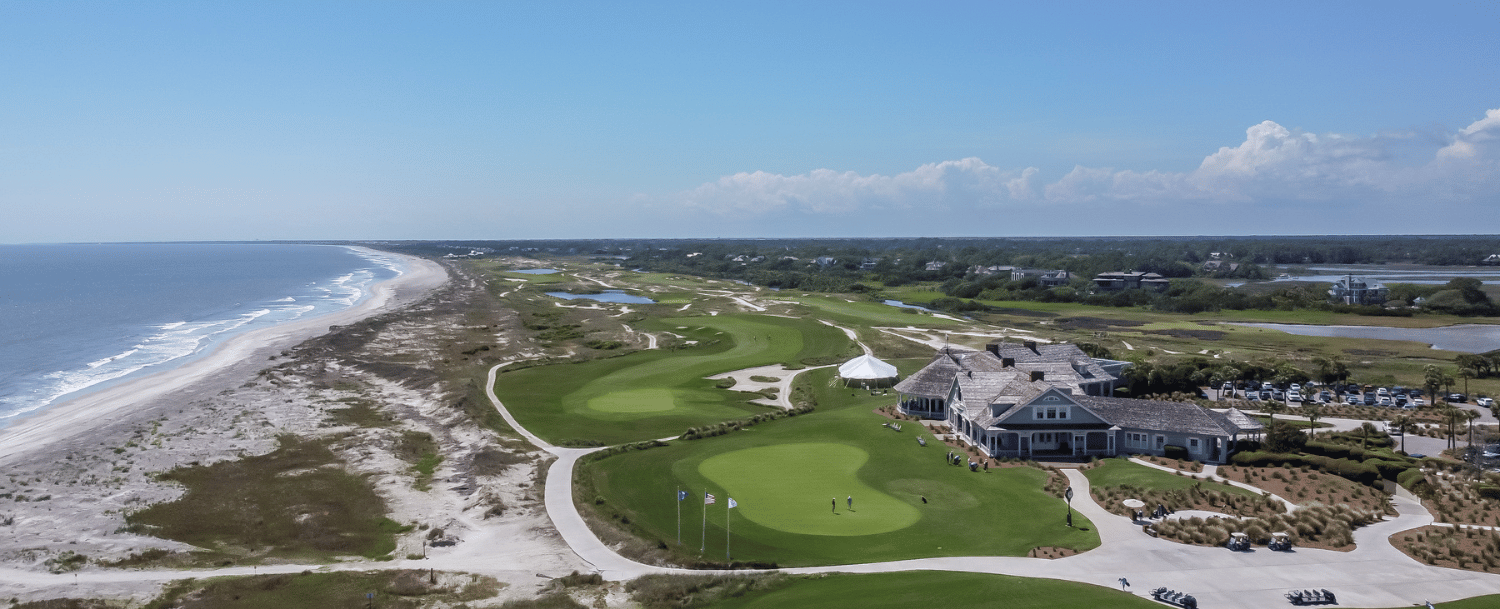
(727, 509)
(703, 536)
(678, 497)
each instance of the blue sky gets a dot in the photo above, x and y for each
(433, 120)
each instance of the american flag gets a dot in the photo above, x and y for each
(708, 498)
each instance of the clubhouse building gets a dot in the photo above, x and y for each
(1039, 401)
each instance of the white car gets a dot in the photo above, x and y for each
(1485, 402)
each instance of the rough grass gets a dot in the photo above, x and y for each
(1000, 512)
(293, 502)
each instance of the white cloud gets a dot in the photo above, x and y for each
(1273, 165)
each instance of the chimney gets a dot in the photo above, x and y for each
(1038, 375)
(1007, 362)
(1031, 344)
(993, 348)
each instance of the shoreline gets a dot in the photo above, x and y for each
(227, 362)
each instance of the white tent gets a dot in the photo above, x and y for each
(866, 368)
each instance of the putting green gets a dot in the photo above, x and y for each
(634, 400)
(787, 487)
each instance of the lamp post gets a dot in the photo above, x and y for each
(1068, 494)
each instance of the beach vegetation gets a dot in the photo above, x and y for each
(399, 589)
(296, 501)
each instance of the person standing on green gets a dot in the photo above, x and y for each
(835, 501)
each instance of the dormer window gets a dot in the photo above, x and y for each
(1050, 412)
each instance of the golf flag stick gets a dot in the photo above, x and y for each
(707, 499)
(732, 505)
(681, 495)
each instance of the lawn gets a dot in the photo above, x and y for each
(792, 479)
(661, 393)
(1120, 472)
(928, 588)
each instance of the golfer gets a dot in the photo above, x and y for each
(835, 501)
(851, 502)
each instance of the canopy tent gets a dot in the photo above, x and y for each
(868, 369)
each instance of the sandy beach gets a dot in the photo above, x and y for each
(73, 472)
(235, 357)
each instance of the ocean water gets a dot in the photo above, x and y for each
(76, 318)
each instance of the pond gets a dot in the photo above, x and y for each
(607, 296)
(536, 271)
(1464, 338)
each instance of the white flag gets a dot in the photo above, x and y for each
(708, 498)
(732, 504)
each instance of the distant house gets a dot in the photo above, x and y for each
(868, 264)
(1220, 266)
(1046, 278)
(1353, 290)
(1130, 280)
(936, 265)
(1491, 259)
(824, 260)
(985, 271)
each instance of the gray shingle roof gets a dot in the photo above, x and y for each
(1157, 415)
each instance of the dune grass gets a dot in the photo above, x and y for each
(661, 393)
(999, 512)
(925, 588)
(287, 503)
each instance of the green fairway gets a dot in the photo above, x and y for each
(935, 588)
(784, 473)
(661, 393)
(782, 487)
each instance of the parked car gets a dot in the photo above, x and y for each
(1386, 401)
(1294, 396)
(1485, 402)
(1457, 398)
(1417, 403)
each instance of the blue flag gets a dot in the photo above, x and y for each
(682, 495)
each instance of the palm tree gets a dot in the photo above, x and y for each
(1432, 379)
(1465, 374)
(1313, 412)
(1450, 414)
(1366, 428)
(1469, 416)
(1272, 407)
(1401, 423)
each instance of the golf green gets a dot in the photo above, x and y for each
(634, 400)
(786, 486)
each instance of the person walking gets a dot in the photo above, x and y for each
(851, 503)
